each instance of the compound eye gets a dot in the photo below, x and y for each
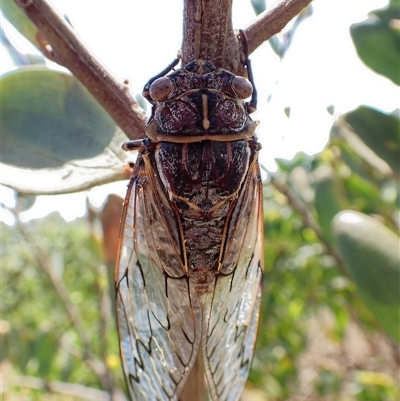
(242, 87)
(160, 88)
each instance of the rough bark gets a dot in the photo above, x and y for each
(208, 34)
(273, 21)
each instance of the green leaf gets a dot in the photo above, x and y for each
(330, 198)
(49, 118)
(363, 194)
(258, 6)
(370, 252)
(46, 347)
(52, 125)
(379, 131)
(21, 22)
(21, 347)
(355, 153)
(331, 109)
(377, 41)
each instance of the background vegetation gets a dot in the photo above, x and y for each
(330, 320)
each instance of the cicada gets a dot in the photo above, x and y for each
(190, 260)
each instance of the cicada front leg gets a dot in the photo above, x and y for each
(252, 104)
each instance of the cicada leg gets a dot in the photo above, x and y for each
(252, 105)
(136, 144)
(132, 145)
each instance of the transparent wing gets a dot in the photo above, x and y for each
(158, 314)
(231, 311)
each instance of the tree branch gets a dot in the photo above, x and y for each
(271, 22)
(61, 45)
(208, 34)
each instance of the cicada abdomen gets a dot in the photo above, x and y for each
(189, 269)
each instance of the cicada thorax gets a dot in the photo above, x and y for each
(202, 144)
(202, 180)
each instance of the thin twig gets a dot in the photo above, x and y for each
(62, 46)
(104, 322)
(271, 22)
(308, 219)
(76, 390)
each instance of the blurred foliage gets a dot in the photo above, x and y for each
(371, 254)
(58, 322)
(329, 318)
